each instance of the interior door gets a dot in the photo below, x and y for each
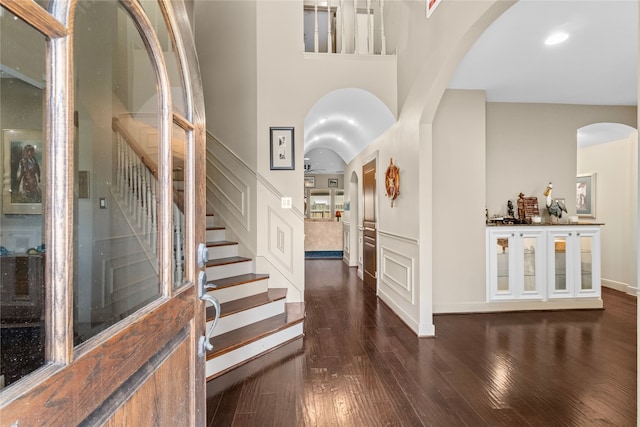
(114, 202)
(369, 223)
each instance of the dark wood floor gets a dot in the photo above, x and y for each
(359, 365)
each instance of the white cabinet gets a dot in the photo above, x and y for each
(515, 263)
(574, 262)
(542, 262)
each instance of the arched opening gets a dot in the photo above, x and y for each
(607, 192)
(337, 128)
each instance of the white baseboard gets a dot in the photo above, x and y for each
(619, 286)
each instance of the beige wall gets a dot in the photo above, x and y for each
(459, 199)
(529, 145)
(225, 35)
(616, 167)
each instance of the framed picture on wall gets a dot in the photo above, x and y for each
(23, 172)
(282, 147)
(333, 182)
(309, 181)
(586, 195)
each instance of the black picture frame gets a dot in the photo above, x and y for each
(282, 148)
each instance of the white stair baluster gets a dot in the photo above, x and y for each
(315, 27)
(342, 38)
(355, 26)
(369, 29)
(329, 38)
(383, 48)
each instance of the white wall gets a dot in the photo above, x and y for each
(616, 166)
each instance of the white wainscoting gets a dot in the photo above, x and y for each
(231, 193)
(398, 276)
(280, 242)
(280, 239)
(397, 273)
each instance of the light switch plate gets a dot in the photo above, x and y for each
(286, 203)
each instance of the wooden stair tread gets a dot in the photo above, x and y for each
(237, 280)
(225, 343)
(221, 243)
(226, 261)
(215, 228)
(246, 303)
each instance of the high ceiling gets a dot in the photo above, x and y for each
(596, 65)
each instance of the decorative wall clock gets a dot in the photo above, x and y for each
(392, 181)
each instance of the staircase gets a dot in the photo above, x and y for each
(254, 319)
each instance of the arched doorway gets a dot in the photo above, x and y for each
(607, 186)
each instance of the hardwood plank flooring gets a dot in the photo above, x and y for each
(359, 365)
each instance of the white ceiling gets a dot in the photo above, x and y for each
(345, 121)
(597, 65)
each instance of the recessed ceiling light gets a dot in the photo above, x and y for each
(556, 38)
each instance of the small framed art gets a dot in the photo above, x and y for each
(282, 148)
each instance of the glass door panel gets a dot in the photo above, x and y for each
(116, 161)
(178, 156)
(22, 250)
(560, 257)
(529, 263)
(586, 260)
(178, 94)
(502, 249)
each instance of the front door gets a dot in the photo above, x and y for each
(369, 223)
(100, 316)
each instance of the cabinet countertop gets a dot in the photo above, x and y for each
(543, 224)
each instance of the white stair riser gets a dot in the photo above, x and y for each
(226, 251)
(211, 221)
(229, 270)
(216, 235)
(242, 354)
(247, 317)
(236, 292)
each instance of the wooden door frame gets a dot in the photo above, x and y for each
(369, 225)
(62, 391)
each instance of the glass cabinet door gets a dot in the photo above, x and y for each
(587, 263)
(501, 265)
(516, 264)
(560, 263)
(531, 264)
